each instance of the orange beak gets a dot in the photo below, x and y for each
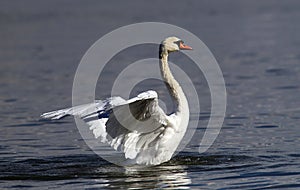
(184, 47)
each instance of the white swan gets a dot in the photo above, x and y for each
(138, 126)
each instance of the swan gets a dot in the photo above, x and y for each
(139, 127)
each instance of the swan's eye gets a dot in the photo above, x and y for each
(179, 42)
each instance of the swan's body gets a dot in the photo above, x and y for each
(138, 126)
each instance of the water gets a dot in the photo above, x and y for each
(256, 44)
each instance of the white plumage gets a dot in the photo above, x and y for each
(138, 126)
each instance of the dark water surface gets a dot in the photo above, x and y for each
(256, 43)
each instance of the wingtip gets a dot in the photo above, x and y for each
(54, 115)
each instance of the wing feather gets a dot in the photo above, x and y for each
(133, 126)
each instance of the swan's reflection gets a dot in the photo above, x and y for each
(166, 176)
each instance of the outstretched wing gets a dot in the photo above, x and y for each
(131, 126)
(141, 114)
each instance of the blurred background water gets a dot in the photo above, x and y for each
(255, 42)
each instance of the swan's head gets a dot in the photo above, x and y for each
(172, 44)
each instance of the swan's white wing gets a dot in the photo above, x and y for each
(94, 114)
(141, 114)
(134, 126)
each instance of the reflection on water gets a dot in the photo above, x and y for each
(182, 172)
(103, 174)
(169, 177)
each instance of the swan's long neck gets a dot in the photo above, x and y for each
(172, 85)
